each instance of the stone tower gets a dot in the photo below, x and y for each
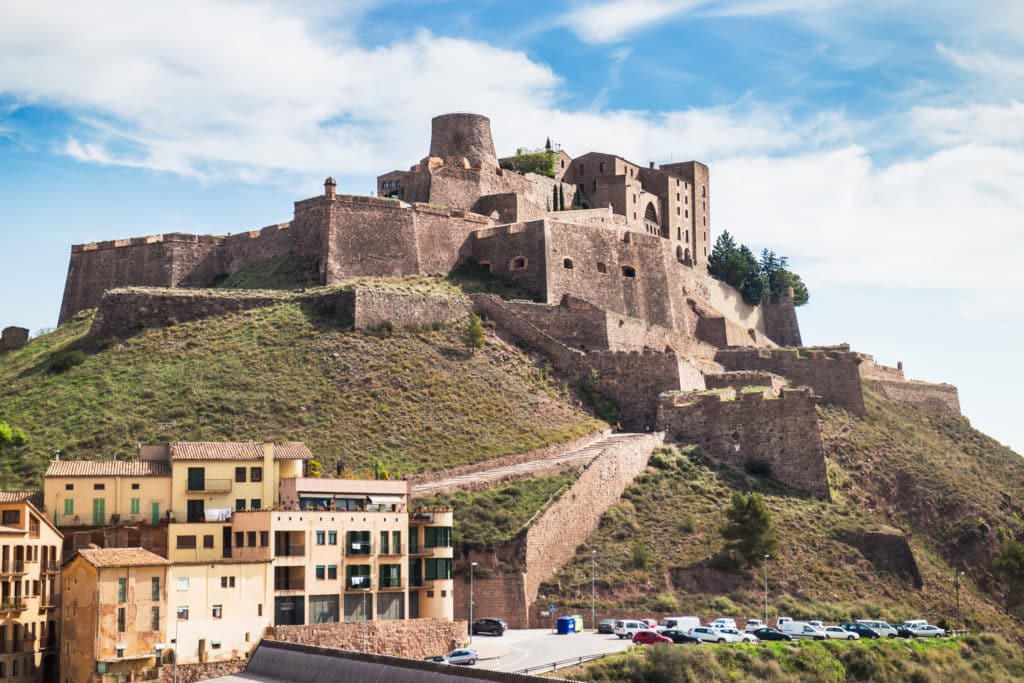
(454, 136)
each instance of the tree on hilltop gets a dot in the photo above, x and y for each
(756, 279)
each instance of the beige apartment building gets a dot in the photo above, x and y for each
(30, 553)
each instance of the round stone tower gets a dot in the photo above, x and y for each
(463, 135)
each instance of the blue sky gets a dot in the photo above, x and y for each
(879, 145)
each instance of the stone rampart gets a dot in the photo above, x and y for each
(745, 378)
(750, 431)
(871, 370)
(833, 375)
(780, 321)
(13, 338)
(410, 638)
(943, 399)
(512, 575)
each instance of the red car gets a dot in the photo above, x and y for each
(650, 638)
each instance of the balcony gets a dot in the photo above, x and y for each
(392, 550)
(49, 567)
(358, 583)
(358, 549)
(210, 486)
(12, 607)
(391, 584)
(15, 567)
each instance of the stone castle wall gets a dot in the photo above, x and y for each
(507, 586)
(410, 638)
(750, 430)
(943, 399)
(13, 338)
(780, 322)
(833, 375)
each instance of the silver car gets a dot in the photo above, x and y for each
(463, 656)
(839, 633)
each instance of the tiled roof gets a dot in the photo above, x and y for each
(108, 468)
(121, 557)
(236, 450)
(34, 497)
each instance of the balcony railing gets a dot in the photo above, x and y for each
(392, 549)
(13, 606)
(391, 582)
(12, 567)
(358, 583)
(48, 567)
(352, 549)
(291, 584)
(210, 486)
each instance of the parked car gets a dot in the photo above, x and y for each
(723, 622)
(782, 621)
(494, 627)
(882, 628)
(743, 636)
(860, 629)
(771, 634)
(680, 623)
(440, 659)
(818, 624)
(753, 625)
(903, 632)
(650, 638)
(627, 628)
(706, 634)
(801, 629)
(606, 626)
(678, 636)
(927, 631)
(839, 633)
(463, 656)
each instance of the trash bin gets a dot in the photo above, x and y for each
(566, 625)
(579, 622)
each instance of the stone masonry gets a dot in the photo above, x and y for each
(410, 638)
(13, 338)
(752, 431)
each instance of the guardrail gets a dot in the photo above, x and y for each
(563, 664)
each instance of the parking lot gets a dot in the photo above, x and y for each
(521, 649)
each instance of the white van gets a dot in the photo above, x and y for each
(722, 622)
(683, 624)
(782, 621)
(881, 627)
(627, 628)
(753, 625)
(801, 629)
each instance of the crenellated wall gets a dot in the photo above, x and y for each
(752, 431)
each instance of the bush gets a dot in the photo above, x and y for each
(641, 558)
(66, 360)
(474, 332)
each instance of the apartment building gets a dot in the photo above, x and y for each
(30, 553)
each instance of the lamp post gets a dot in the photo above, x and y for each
(766, 558)
(365, 592)
(593, 592)
(471, 566)
(956, 584)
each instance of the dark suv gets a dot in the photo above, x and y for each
(494, 627)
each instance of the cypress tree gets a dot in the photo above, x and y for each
(561, 197)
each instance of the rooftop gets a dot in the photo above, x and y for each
(34, 497)
(237, 450)
(121, 557)
(108, 468)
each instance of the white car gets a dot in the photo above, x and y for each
(820, 625)
(463, 656)
(744, 637)
(753, 625)
(883, 628)
(927, 631)
(782, 621)
(706, 634)
(837, 633)
(723, 622)
(627, 628)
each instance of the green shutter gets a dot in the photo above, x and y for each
(122, 590)
(156, 513)
(135, 506)
(99, 514)
(155, 590)
(69, 507)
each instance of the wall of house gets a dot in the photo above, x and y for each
(117, 495)
(780, 435)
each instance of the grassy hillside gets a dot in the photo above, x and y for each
(973, 658)
(417, 400)
(897, 466)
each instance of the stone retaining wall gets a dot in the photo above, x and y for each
(411, 638)
(943, 399)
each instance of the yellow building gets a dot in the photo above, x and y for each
(114, 614)
(30, 554)
(102, 492)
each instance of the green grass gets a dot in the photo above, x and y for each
(486, 519)
(984, 658)
(283, 271)
(417, 400)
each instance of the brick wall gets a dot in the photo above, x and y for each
(833, 375)
(508, 579)
(412, 638)
(13, 338)
(781, 433)
(943, 399)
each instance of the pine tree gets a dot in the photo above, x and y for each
(473, 335)
(749, 532)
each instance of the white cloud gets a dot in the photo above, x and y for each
(975, 124)
(606, 22)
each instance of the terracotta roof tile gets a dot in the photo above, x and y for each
(236, 450)
(34, 497)
(108, 468)
(121, 557)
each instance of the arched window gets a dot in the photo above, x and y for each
(628, 271)
(518, 263)
(686, 255)
(650, 213)
(567, 263)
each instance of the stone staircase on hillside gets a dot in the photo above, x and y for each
(486, 479)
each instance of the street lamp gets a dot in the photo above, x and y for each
(471, 566)
(766, 557)
(366, 590)
(593, 593)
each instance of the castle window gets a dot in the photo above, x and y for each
(595, 186)
(650, 213)
(567, 263)
(687, 233)
(679, 254)
(678, 196)
(486, 265)
(562, 163)
(679, 234)
(702, 191)
(628, 271)
(518, 263)
(582, 169)
(601, 268)
(686, 255)
(678, 211)
(600, 167)
(687, 214)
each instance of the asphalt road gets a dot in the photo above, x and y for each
(529, 648)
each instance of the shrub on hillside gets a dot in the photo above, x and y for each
(66, 360)
(749, 531)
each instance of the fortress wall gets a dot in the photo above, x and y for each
(442, 237)
(505, 205)
(781, 324)
(729, 302)
(943, 399)
(575, 323)
(872, 370)
(722, 333)
(304, 237)
(739, 380)
(369, 237)
(13, 338)
(779, 433)
(833, 375)
(463, 135)
(595, 218)
(375, 308)
(629, 334)
(147, 261)
(500, 246)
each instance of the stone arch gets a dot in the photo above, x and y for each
(651, 213)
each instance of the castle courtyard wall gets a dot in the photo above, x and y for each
(943, 399)
(371, 237)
